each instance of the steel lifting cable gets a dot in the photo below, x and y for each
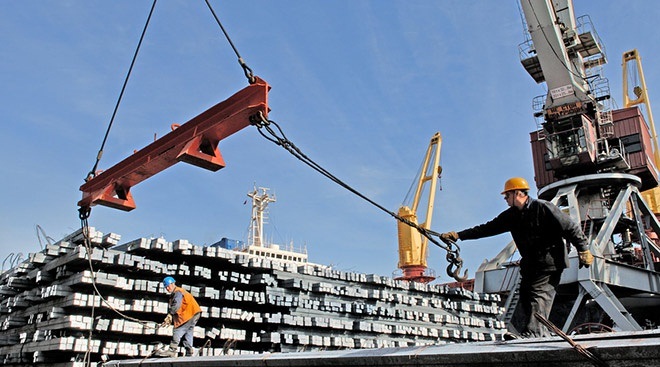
(84, 212)
(595, 360)
(278, 137)
(89, 249)
(246, 69)
(92, 173)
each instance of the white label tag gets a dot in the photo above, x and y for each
(562, 91)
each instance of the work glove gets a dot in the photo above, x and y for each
(167, 321)
(586, 258)
(449, 236)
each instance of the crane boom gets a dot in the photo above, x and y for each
(413, 246)
(576, 125)
(551, 26)
(632, 72)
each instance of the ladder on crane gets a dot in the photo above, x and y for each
(513, 297)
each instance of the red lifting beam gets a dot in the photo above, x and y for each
(195, 142)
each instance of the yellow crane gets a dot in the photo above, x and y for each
(633, 82)
(413, 246)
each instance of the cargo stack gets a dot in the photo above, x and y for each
(74, 302)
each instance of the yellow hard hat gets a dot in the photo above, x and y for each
(515, 183)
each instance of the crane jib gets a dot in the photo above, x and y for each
(194, 142)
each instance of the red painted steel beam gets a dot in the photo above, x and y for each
(195, 142)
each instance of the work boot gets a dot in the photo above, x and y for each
(171, 352)
(529, 335)
(510, 336)
(191, 352)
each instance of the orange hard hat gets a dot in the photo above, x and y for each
(515, 183)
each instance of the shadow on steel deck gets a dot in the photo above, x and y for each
(615, 349)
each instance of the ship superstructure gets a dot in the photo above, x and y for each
(257, 244)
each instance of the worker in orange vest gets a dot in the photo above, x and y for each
(184, 312)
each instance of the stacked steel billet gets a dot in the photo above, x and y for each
(56, 308)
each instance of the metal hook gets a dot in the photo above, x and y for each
(454, 260)
(455, 273)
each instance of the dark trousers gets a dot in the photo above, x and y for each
(184, 333)
(537, 292)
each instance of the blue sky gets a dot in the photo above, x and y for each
(360, 86)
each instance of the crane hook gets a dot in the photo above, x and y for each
(455, 273)
(454, 260)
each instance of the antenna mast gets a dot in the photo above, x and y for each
(260, 201)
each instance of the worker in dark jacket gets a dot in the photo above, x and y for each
(538, 228)
(184, 312)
